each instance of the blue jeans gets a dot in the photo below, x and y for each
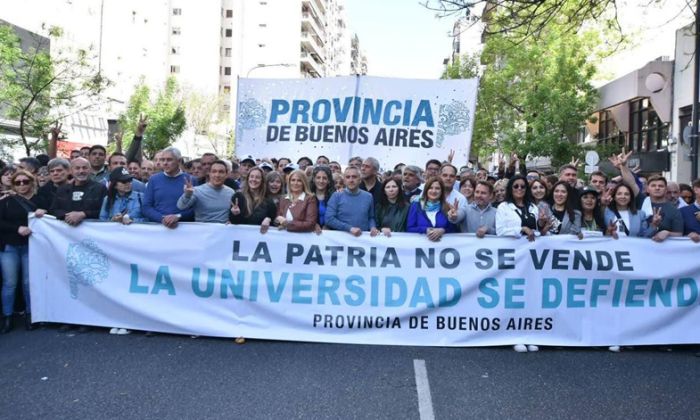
(14, 262)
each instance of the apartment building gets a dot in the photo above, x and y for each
(206, 45)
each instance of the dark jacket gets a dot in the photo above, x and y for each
(13, 214)
(86, 198)
(391, 216)
(265, 209)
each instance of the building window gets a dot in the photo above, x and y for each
(261, 45)
(227, 71)
(227, 52)
(263, 25)
(647, 131)
(174, 69)
(263, 3)
(229, 13)
(174, 50)
(227, 89)
(177, 11)
(176, 30)
(608, 132)
(229, 33)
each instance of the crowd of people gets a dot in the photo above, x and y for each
(434, 199)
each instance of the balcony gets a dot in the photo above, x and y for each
(308, 20)
(311, 64)
(312, 43)
(317, 7)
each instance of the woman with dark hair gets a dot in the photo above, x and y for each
(687, 194)
(592, 219)
(517, 215)
(274, 183)
(392, 209)
(14, 235)
(467, 185)
(429, 214)
(539, 192)
(322, 187)
(6, 179)
(622, 217)
(121, 204)
(566, 219)
(251, 206)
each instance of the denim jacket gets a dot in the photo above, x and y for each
(130, 205)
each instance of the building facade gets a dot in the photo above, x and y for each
(207, 46)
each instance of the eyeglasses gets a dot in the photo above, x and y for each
(519, 186)
(19, 182)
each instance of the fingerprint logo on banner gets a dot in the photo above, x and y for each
(251, 114)
(454, 120)
(87, 265)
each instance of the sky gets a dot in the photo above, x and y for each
(404, 39)
(400, 37)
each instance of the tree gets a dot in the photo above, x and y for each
(166, 117)
(204, 116)
(524, 19)
(535, 95)
(37, 87)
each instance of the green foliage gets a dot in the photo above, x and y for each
(534, 94)
(37, 88)
(166, 117)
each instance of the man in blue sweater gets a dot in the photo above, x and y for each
(351, 210)
(164, 189)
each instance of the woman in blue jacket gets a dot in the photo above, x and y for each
(429, 214)
(121, 204)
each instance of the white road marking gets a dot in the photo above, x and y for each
(425, 401)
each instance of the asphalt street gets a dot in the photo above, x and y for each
(51, 374)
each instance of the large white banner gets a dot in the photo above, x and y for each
(393, 120)
(232, 281)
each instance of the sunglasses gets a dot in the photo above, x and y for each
(519, 186)
(19, 182)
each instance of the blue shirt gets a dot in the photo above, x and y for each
(690, 223)
(162, 193)
(347, 210)
(130, 204)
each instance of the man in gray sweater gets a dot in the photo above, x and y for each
(351, 210)
(212, 201)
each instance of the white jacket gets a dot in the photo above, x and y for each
(508, 221)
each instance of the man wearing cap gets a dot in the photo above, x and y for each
(164, 189)
(80, 200)
(246, 163)
(266, 167)
(351, 210)
(212, 201)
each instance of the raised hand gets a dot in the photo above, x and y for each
(624, 156)
(188, 188)
(575, 161)
(657, 217)
(454, 208)
(451, 155)
(235, 210)
(56, 130)
(141, 127)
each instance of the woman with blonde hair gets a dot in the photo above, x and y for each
(298, 209)
(14, 235)
(252, 206)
